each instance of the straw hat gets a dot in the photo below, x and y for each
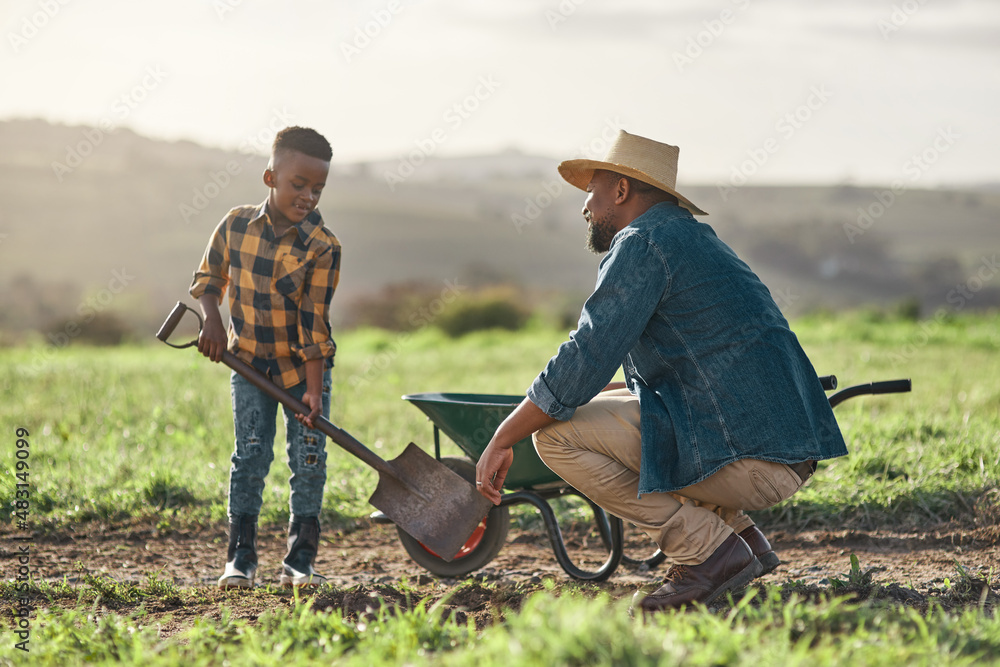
(631, 155)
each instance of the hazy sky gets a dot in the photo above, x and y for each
(767, 90)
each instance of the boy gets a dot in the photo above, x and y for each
(282, 266)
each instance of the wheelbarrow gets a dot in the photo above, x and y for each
(470, 421)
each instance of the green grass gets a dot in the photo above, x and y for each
(765, 627)
(143, 434)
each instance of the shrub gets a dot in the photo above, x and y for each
(396, 307)
(489, 309)
(101, 329)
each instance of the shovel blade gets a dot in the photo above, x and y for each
(430, 502)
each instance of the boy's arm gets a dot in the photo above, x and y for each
(212, 275)
(212, 340)
(315, 337)
(210, 281)
(313, 397)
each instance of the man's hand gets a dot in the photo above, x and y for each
(212, 341)
(314, 401)
(492, 469)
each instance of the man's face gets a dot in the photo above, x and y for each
(599, 212)
(296, 181)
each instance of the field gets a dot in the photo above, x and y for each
(889, 555)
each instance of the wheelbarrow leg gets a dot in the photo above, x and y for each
(603, 528)
(612, 526)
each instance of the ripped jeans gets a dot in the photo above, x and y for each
(254, 416)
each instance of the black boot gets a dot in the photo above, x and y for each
(303, 543)
(241, 559)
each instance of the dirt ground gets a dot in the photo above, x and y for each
(368, 567)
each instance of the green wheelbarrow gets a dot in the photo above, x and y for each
(470, 421)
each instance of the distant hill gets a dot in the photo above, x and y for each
(121, 218)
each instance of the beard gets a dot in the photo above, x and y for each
(600, 231)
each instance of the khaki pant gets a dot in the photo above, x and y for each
(598, 453)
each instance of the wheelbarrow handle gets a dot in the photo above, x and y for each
(891, 386)
(885, 387)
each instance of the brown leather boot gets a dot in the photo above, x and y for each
(761, 548)
(731, 566)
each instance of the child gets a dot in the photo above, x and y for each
(281, 266)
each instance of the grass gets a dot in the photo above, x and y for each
(571, 627)
(143, 434)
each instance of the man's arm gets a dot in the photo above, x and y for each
(497, 457)
(631, 282)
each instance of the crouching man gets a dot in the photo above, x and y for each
(721, 411)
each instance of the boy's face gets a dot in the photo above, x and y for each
(296, 181)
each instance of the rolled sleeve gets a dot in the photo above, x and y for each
(315, 336)
(212, 275)
(632, 280)
(542, 396)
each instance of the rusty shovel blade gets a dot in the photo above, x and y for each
(430, 502)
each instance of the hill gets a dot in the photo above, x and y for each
(118, 221)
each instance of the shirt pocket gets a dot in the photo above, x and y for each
(289, 275)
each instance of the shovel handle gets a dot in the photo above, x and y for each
(173, 319)
(338, 435)
(261, 381)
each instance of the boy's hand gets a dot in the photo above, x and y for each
(314, 401)
(212, 341)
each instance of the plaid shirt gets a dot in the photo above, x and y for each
(280, 290)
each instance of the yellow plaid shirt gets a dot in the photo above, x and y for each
(279, 290)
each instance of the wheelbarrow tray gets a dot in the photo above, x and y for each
(470, 421)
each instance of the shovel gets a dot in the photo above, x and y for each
(423, 497)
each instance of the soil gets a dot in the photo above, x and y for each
(367, 568)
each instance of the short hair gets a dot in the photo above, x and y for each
(304, 140)
(644, 190)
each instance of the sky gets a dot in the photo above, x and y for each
(753, 91)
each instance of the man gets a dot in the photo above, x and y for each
(721, 411)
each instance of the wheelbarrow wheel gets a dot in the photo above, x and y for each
(484, 544)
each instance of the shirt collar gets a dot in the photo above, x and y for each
(305, 229)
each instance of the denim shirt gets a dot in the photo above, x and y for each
(717, 371)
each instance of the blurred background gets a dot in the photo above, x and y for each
(847, 151)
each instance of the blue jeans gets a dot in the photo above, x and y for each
(254, 417)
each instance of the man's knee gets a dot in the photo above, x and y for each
(547, 442)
